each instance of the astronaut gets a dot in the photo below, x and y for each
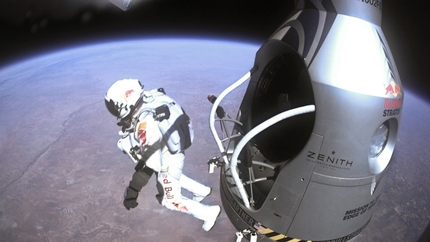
(155, 132)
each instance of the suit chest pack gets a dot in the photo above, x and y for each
(173, 122)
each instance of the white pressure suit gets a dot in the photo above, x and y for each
(145, 142)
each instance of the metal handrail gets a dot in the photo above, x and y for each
(215, 106)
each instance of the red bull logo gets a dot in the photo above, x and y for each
(393, 89)
(167, 188)
(392, 105)
(128, 93)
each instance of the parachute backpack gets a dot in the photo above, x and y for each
(173, 122)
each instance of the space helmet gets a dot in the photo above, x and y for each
(122, 96)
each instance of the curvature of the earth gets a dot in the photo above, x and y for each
(62, 176)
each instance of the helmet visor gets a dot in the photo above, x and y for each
(112, 107)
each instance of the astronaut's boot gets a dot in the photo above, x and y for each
(212, 215)
(207, 213)
(199, 190)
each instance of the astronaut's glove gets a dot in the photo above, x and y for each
(130, 198)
